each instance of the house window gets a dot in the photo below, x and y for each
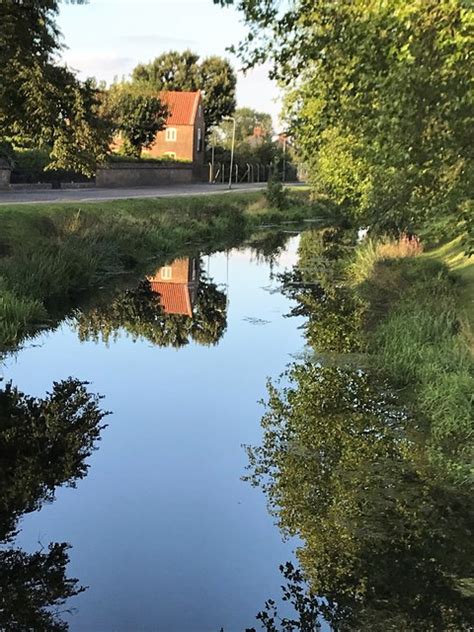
(171, 134)
(166, 273)
(199, 139)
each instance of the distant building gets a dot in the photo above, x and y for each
(183, 136)
(258, 138)
(177, 285)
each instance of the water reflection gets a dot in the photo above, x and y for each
(386, 535)
(174, 306)
(44, 444)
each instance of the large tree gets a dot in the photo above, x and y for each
(136, 117)
(42, 101)
(184, 71)
(380, 99)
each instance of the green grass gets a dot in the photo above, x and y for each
(417, 336)
(462, 268)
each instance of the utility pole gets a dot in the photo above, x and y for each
(231, 118)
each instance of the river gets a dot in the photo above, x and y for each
(163, 532)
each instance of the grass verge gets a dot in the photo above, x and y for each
(419, 336)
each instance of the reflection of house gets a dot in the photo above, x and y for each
(183, 136)
(177, 285)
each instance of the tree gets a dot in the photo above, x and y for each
(135, 117)
(44, 443)
(41, 101)
(378, 98)
(246, 120)
(176, 71)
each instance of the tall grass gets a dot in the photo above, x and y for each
(17, 315)
(416, 339)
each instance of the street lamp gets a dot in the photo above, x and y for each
(231, 118)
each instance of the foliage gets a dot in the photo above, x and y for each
(246, 120)
(31, 585)
(139, 313)
(276, 194)
(135, 117)
(44, 443)
(379, 101)
(41, 101)
(333, 311)
(305, 605)
(184, 71)
(382, 535)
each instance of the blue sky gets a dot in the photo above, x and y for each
(107, 38)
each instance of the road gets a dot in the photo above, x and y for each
(51, 196)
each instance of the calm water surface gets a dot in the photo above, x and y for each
(163, 531)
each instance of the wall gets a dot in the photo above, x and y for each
(144, 174)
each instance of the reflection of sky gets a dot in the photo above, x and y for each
(163, 531)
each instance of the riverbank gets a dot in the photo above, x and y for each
(419, 335)
(50, 254)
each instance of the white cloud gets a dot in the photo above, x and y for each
(103, 66)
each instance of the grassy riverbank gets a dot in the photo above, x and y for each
(419, 334)
(52, 253)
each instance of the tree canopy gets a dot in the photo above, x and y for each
(183, 71)
(42, 101)
(134, 116)
(379, 97)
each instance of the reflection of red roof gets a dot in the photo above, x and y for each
(182, 107)
(174, 297)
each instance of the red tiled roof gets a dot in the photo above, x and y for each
(174, 297)
(182, 107)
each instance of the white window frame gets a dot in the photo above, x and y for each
(171, 134)
(166, 273)
(199, 139)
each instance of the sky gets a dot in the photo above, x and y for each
(107, 38)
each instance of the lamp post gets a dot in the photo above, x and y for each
(231, 118)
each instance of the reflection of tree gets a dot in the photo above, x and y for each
(386, 539)
(333, 311)
(139, 313)
(44, 443)
(31, 585)
(383, 536)
(268, 245)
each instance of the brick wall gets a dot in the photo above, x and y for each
(182, 146)
(144, 174)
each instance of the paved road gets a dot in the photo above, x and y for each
(96, 195)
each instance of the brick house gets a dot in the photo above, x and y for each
(183, 137)
(177, 285)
